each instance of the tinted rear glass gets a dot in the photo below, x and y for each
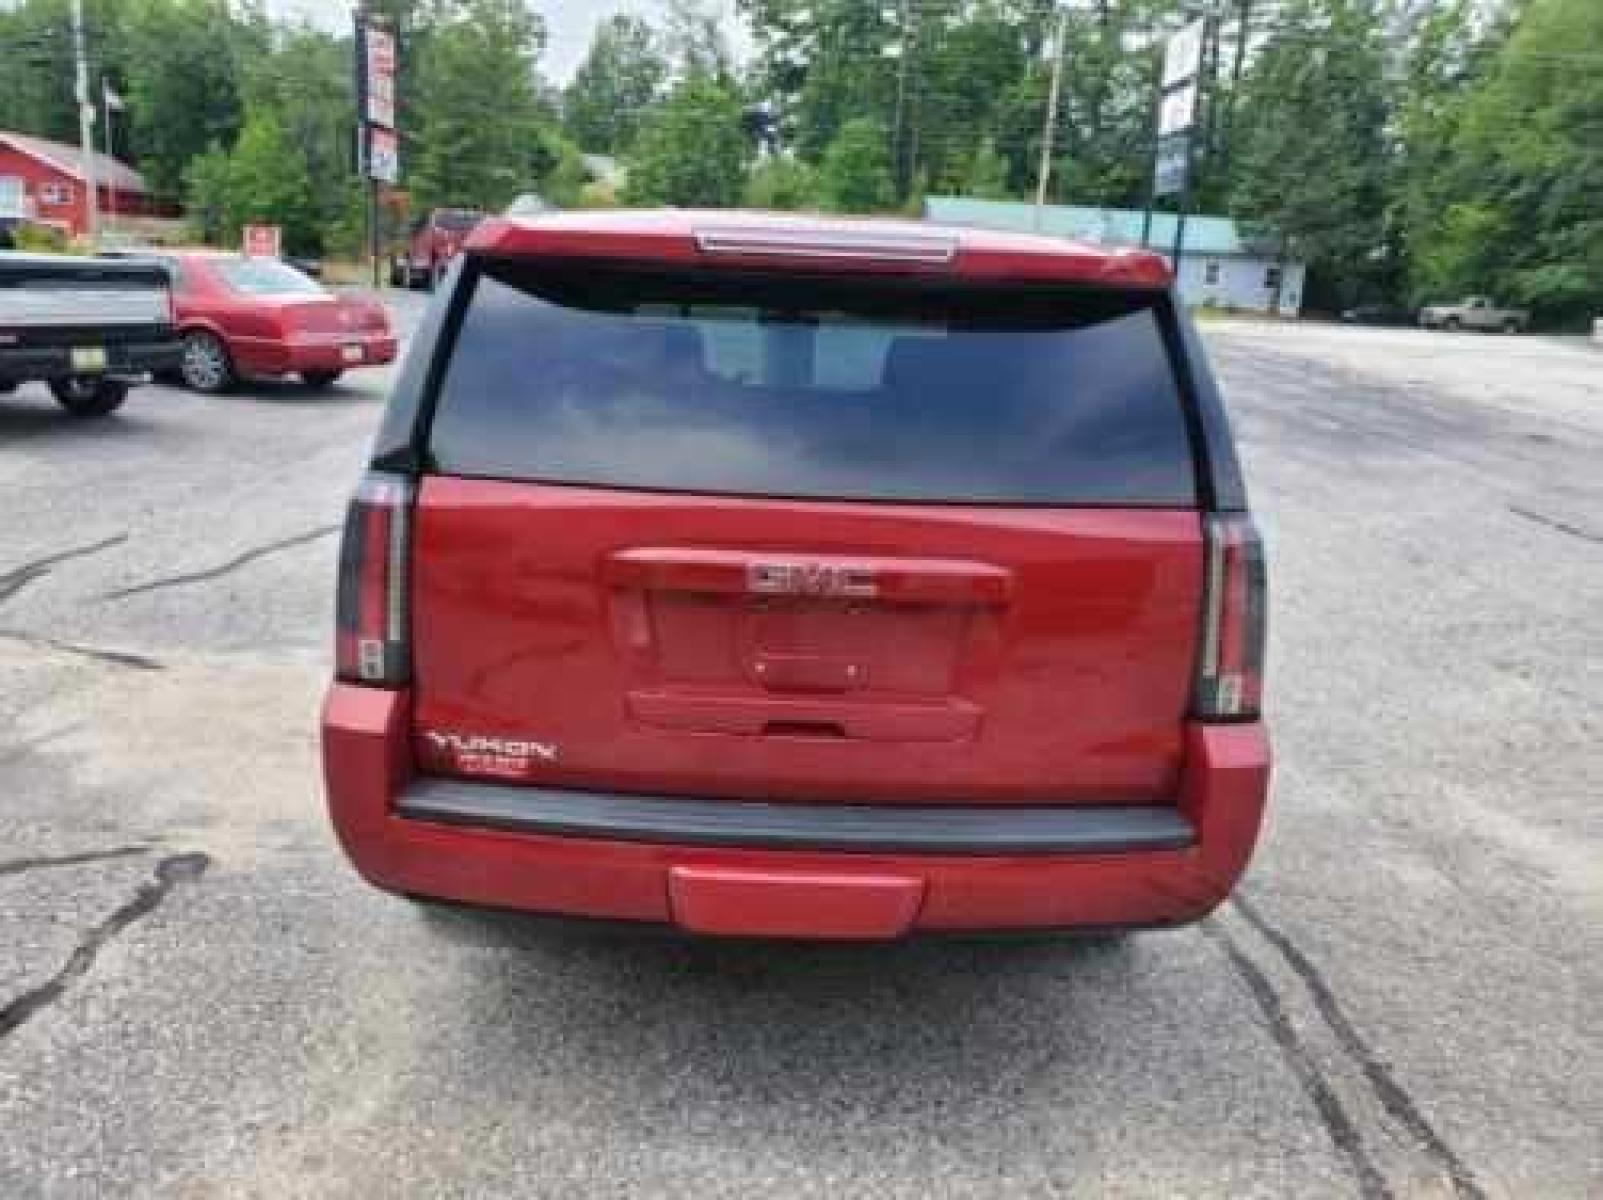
(857, 390)
(266, 277)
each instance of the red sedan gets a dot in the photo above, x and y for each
(258, 316)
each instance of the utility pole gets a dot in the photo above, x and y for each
(1049, 131)
(86, 123)
(111, 152)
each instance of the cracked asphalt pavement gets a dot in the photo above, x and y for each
(199, 999)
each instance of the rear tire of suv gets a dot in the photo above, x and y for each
(89, 397)
(320, 379)
(207, 367)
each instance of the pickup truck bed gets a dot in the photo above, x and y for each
(87, 327)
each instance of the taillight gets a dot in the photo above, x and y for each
(372, 640)
(1229, 683)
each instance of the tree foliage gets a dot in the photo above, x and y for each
(1524, 169)
(1404, 148)
(482, 135)
(856, 174)
(692, 151)
(1314, 171)
(616, 83)
(782, 182)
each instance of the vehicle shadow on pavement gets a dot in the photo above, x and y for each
(20, 419)
(932, 1029)
(290, 392)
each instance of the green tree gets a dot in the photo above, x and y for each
(692, 152)
(206, 194)
(618, 79)
(695, 41)
(305, 81)
(1312, 158)
(482, 133)
(856, 173)
(181, 64)
(36, 70)
(986, 174)
(1526, 170)
(268, 184)
(826, 61)
(1442, 63)
(781, 182)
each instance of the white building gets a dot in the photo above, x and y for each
(1219, 266)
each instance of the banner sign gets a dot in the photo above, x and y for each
(378, 76)
(1177, 111)
(1172, 165)
(376, 63)
(1182, 57)
(383, 154)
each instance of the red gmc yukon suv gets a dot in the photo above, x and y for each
(801, 578)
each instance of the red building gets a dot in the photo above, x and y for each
(43, 181)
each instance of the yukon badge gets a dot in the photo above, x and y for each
(810, 579)
(483, 755)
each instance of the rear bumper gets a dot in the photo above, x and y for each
(331, 353)
(22, 364)
(761, 872)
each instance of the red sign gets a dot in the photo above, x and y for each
(379, 63)
(263, 241)
(383, 154)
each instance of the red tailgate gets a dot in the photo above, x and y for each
(802, 649)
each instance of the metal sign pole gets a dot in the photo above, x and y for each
(1049, 134)
(364, 142)
(86, 124)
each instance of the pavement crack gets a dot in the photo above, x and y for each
(233, 564)
(1338, 1123)
(16, 866)
(15, 580)
(1586, 535)
(120, 658)
(1393, 1097)
(170, 871)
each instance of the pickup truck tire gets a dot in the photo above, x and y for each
(89, 397)
(1511, 327)
(206, 366)
(320, 379)
(1452, 325)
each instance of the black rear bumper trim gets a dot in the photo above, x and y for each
(861, 829)
(23, 364)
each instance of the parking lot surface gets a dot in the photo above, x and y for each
(198, 998)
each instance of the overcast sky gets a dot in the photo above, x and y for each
(568, 23)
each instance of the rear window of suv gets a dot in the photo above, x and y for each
(792, 387)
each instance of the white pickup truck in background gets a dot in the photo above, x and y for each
(88, 327)
(1475, 312)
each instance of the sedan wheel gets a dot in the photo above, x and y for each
(206, 367)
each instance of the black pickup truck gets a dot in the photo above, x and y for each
(89, 328)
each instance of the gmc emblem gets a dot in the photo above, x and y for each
(810, 579)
